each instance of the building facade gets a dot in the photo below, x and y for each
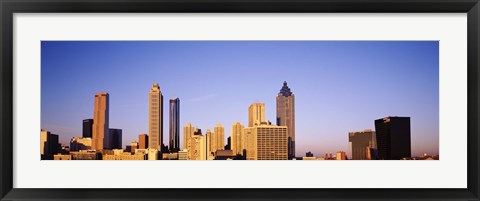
(360, 144)
(143, 141)
(87, 128)
(393, 138)
(115, 138)
(286, 115)
(49, 145)
(155, 118)
(256, 114)
(188, 132)
(100, 121)
(266, 142)
(238, 138)
(219, 132)
(80, 143)
(174, 141)
(198, 149)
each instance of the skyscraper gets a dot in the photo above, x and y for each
(49, 145)
(211, 142)
(286, 115)
(155, 118)
(393, 138)
(143, 141)
(267, 142)
(174, 143)
(188, 132)
(256, 114)
(87, 128)
(100, 121)
(219, 132)
(360, 144)
(115, 138)
(238, 138)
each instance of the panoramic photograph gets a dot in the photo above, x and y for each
(239, 100)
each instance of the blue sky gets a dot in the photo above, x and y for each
(339, 86)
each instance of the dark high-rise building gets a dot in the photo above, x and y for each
(286, 115)
(393, 138)
(229, 145)
(174, 142)
(115, 136)
(87, 128)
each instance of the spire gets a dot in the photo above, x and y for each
(285, 91)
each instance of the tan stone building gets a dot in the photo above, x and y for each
(286, 115)
(256, 114)
(188, 132)
(100, 121)
(155, 118)
(266, 142)
(198, 148)
(238, 138)
(80, 143)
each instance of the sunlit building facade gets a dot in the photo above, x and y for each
(80, 143)
(266, 142)
(100, 121)
(238, 138)
(155, 118)
(256, 114)
(198, 149)
(286, 115)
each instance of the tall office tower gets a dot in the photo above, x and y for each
(87, 128)
(211, 142)
(198, 149)
(238, 138)
(267, 142)
(393, 138)
(155, 118)
(360, 144)
(174, 143)
(115, 138)
(286, 115)
(49, 145)
(143, 141)
(188, 132)
(100, 121)
(219, 132)
(256, 114)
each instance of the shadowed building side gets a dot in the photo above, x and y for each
(393, 138)
(174, 143)
(362, 145)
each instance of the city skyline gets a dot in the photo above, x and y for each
(319, 144)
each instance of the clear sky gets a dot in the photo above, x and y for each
(339, 86)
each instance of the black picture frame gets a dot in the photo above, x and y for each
(9, 7)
